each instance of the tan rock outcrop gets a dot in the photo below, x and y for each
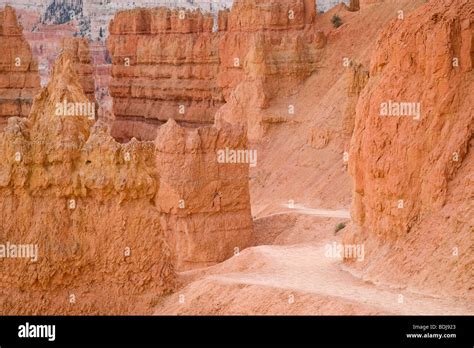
(205, 202)
(85, 201)
(19, 77)
(413, 185)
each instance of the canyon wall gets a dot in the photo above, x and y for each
(268, 50)
(357, 77)
(19, 77)
(256, 46)
(164, 66)
(266, 42)
(101, 12)
(102, 70)
(412, 204)
(173, 64)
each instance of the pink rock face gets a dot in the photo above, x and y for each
(412, 174)
(19, 77)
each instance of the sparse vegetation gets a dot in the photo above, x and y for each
(339, 227)
(336, 21)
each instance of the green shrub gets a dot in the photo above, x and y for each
(336, 21)
(339, 227)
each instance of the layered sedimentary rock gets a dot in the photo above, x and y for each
(268, 50)
(19, 77)
(101, 12)
(102, 68)
(86, 203)
(205, 199)
(173, 64)
(411, 153)
(79, 49)
(165, 64)
(266, 42)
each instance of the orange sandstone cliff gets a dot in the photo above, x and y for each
(19, 77)
(413, 174)
(76, 194)
(267, 51)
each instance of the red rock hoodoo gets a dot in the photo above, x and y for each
(165, 66)
(205, 203)
(412, 203)
(19, 77)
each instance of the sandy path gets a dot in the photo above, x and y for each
(305, 268)
(301, 209)
(306, 271)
